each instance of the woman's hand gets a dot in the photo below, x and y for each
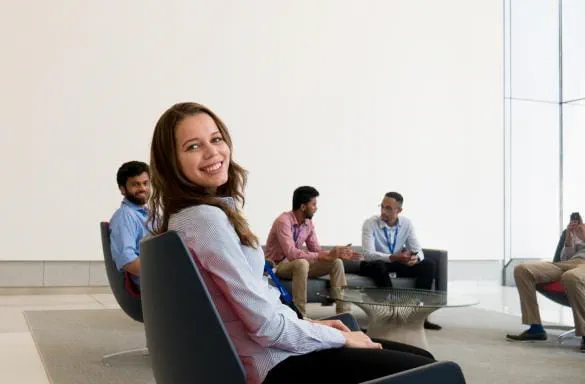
(359, 340)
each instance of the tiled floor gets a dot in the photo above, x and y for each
(20, 362)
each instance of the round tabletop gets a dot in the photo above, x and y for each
(401, 297)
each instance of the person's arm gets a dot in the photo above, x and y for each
(412, 243)
(123, 239)
(209, 234)
(133, 267)
(333, 253)
(580, 231)
(369, 244)
(312, 241)
(569, 240)
(569, 245)
(287, 243)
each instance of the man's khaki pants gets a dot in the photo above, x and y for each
(300, 270)
(572, 276)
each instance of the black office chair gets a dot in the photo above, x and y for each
(130, 303)
(187, 340)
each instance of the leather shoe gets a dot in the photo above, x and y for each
(433, 326)
(582, 347)
(528, 336)
(327, 302)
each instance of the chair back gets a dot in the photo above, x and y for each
(186, 338)
(130, 304)
(560, 246)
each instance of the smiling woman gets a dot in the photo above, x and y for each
(191, 165)
(195, 183)
(202, 152)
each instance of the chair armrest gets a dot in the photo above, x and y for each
(346, 318)
(446, 372)
(440, 258)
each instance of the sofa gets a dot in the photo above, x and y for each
(319, 284)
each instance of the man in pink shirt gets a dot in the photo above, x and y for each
(289, 232)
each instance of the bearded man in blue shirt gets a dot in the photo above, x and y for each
(129, 223)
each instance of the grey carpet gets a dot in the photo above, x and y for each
(475, 339)
(71, 344)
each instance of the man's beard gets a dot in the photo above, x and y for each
(137, 200)
(308, 216)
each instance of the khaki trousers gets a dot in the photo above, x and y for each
(300, 270)
(572, 276)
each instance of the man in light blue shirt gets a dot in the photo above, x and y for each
(390, 245)
(129, 224)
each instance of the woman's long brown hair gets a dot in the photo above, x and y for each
(172, 191)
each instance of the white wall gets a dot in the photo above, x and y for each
(356, 98)
(573, 112)
(536, 212)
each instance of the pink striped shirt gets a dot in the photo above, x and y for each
(287, 237)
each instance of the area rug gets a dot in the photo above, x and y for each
(72, 343)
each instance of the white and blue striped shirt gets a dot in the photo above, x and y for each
(264, 331)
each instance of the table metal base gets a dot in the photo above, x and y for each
(394, 323)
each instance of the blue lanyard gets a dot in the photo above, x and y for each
(285, 296)
(283, 292)
(296, 232)
(392, 246)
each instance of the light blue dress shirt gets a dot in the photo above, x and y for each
(128, 226)
(375, 244)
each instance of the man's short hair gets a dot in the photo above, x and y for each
(130, 169)
(302, 195)
(396, 196)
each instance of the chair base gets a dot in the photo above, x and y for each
(565, 335)
(138, 352)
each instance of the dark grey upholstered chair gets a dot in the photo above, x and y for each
(187, 340)
(555, 290)
(130, 304)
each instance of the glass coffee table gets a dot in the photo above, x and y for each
(398, 314)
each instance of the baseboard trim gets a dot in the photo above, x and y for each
(53, 274)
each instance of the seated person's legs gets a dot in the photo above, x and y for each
(336, 272)
(298, 271)
(377, 271)
(424, 272)
(348, 365)
(351, 322)
(574, 283)
(396, 346)
(527, 275)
